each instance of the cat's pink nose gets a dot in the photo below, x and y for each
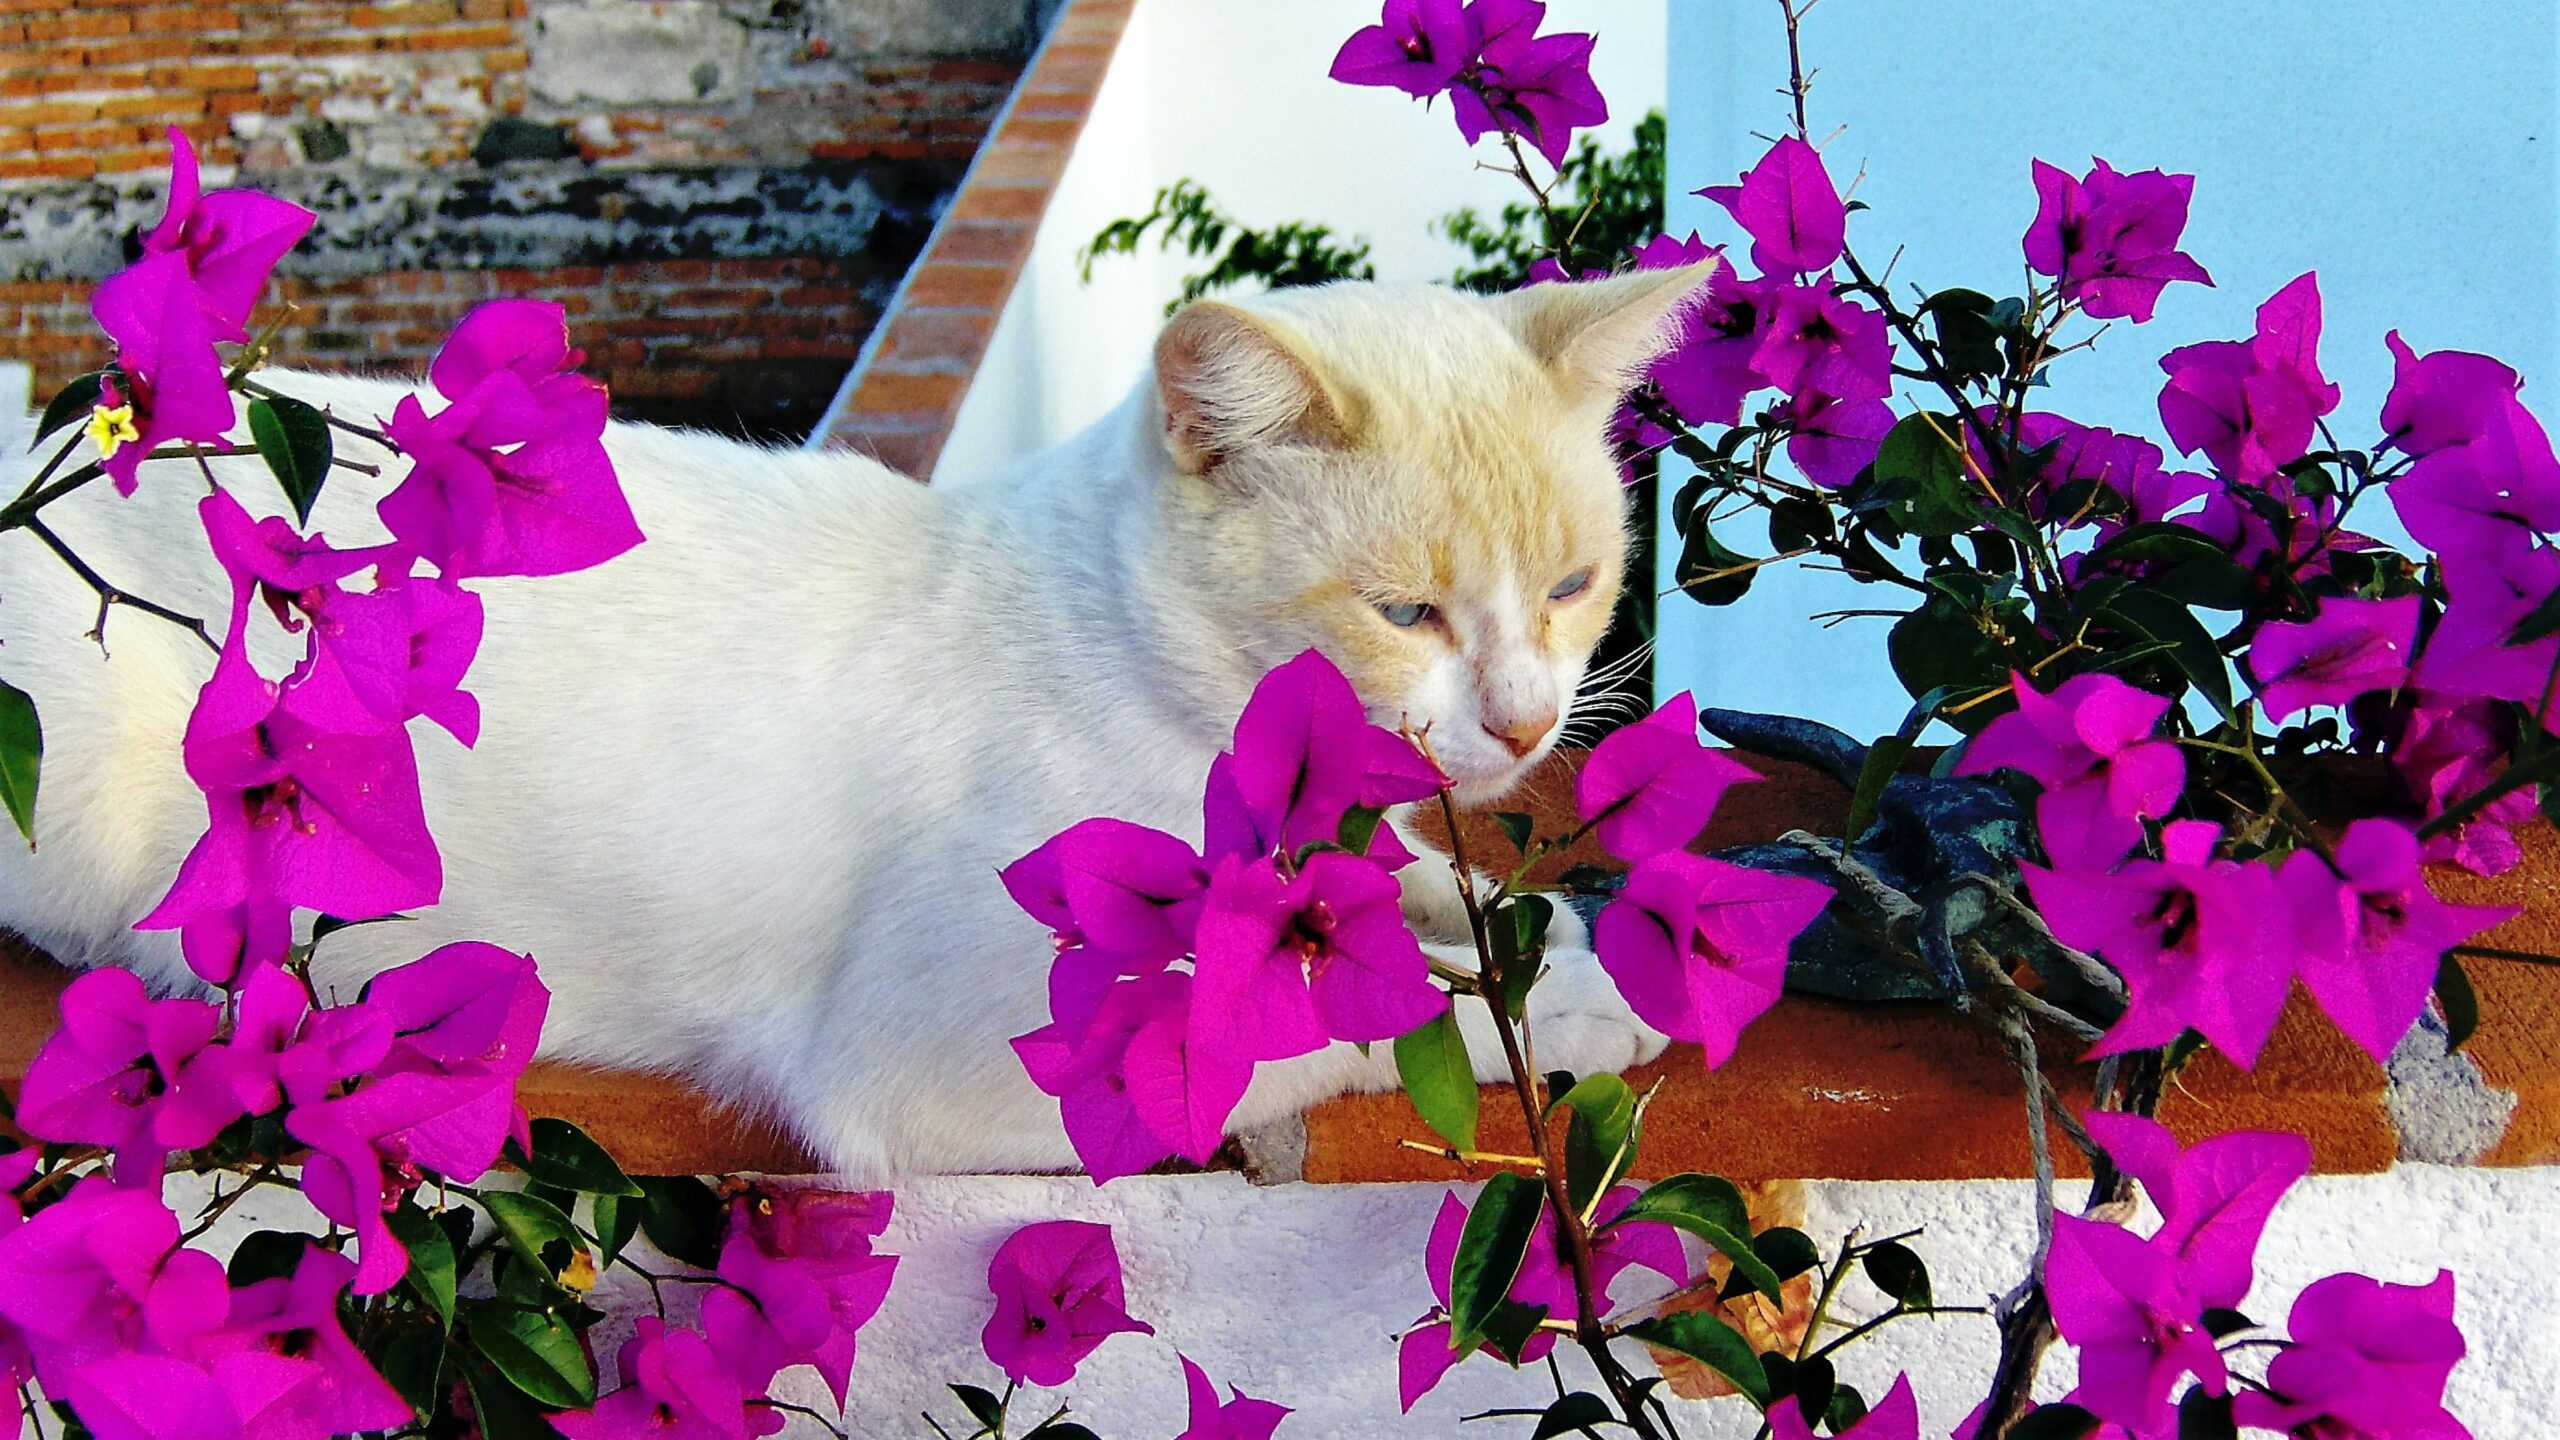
(1522, 736)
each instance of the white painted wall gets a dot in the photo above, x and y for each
(1234, 94)
(2409, 153)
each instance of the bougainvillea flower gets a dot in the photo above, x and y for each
(2444, 398)
(2348, 648)
(1895, 1417)
(129, 1073)
(805, 1281)
(267, 1023)
(1545, 1281)
(1086, 1068)
(2202, 943)
(300, 1377)
(229, 240)
(1110, 886)
(528, 339)
(443, 624)
(306, 809)
(1651, 786)
(1699, 947)
(1058, 1297)
(1789, 207)
(468, 1003)
(2444, 750)
(1288, 964)
(1417, 46)
(1537, 87)
(1831, 439)
(2138, 1328)
(2372, 934)
(1707, 374)
(2111, 239)
(1305, 753)
(2213, 1197)
(499, 485)
(2369, 1361)
(1816, 340)
(2090, 745)
(1238, 1418)
(368, 1146)
(169, 383)
(101, 1273)
(2469, 653)
(2088, 473)
(2250, 405)
(674, 1387)
(2488, 496)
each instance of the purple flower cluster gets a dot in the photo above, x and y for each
(1500, 74)
(1288, 945)
(2204, 942)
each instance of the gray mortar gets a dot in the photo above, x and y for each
(2446, 1111)
(522, 216)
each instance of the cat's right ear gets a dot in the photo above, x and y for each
(1229, 380)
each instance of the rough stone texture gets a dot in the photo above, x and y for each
(613, 52)
(1296, 1293)
(929, 26)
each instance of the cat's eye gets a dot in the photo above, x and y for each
(1571, 585)
(1405, 614)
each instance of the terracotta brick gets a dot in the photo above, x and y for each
(152, 107)
(936, 283)
(206, 77)
(920, 338)
(124, 162)
(49, 112)
(980, 72)
(909, 452)
(136, 51)
(999, 242)
(893, 394)
(47, 167)
(662, 384)
(469, 37)
(406, 12)
(84, 81)
(186, 19)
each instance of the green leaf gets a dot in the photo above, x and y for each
(681, 1216)
(2150, 615)
(411, 1357)
(2541, 623)
(530, 1224)
(537, 1353)
(1516, 827)
(1512, 1327)
(1580, 1410)
(1847, 1408)
(982, 1406)
(1900, 1273)
(2222, 1322)
(1788, 1252)
(294, 440)
(617, 1219)
(1062, 1430)
(1710, 572)
(1968, 343)
(1490, 1251)
(1359, 826)
(1600, 1140)
(1709, 1207)
(266, 1255)
(1519, 947)
(563, 1155)
(72, 402)
(1813, 1385)
(1711, 1343)
(431, 1277)
(503, 1412)
(2461, 1004)
(21, 757)
(1431, 1060)
(1942, 647)
(324, 926)
(1884, 761)
(1920, 474)
(2054, 1422)
(2206, 1417)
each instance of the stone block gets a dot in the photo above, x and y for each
(927, 27)
(625, 52)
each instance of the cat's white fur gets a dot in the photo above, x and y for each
(743, 791)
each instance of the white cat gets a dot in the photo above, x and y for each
(743, 791)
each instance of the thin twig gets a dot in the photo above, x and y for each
(110, 596)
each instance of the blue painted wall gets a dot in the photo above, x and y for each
(2404, 150)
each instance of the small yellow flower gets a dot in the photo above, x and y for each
(579, 1275)
(111, 428)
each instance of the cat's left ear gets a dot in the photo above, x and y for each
(1597, 336)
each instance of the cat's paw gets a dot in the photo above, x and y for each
(1577, 1022)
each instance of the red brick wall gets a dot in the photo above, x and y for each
(752, 347)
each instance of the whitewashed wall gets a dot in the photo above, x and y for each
(1234, 95)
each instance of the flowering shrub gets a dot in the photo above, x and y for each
(426, 1303)
(2119, 848)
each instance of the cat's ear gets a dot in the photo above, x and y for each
(1230, 380)
(1597, 336)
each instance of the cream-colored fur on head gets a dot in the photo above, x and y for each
(743, 791)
